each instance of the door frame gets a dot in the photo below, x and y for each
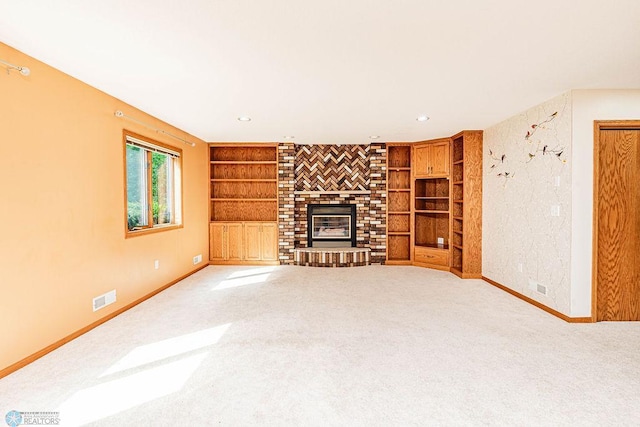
(598, 127)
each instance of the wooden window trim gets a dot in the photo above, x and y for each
(152, 229)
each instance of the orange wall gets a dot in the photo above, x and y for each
(62, 208)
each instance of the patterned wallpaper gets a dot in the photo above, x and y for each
(527, 203)
(332, 167)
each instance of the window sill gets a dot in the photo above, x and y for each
(156, 229)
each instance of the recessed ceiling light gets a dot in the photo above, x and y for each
(289, 137)
(422, 118)
(374, 136)
(244, 119)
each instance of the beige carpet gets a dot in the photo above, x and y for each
(354, 346)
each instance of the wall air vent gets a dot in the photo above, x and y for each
(104, 300)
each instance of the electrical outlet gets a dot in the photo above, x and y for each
(556, 181)
(156, 264)
(197, 259)
(520, 267)
(441, 240)
(555, 210)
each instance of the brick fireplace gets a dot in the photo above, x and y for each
(334, 175)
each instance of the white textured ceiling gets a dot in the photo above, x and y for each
(332, 71)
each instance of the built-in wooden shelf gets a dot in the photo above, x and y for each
(243, 180)
(239, 199)
(243, 162)
(399, 203)
(434, 193)
(243, 204)
(434, 246)
(466, 259)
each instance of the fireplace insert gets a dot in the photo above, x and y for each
(331, 226)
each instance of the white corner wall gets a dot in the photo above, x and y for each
(519, 232)
(526, 175)
(588, 106)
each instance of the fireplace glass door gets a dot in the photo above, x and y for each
(331, 226)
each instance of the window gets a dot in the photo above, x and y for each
(153, 185)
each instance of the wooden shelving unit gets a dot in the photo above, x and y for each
(432, 222)
(467, 204)
(434, 213)
(244, 183)
(243, 198)
(399, 203)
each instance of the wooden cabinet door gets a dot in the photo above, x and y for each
(269, 241)
(234, 241)
(421, 159)
(439, 158)
(217, 241)
(252, 241)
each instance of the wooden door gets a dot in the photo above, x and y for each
(252, 241)
(439, 158)
(234, 241)
(617, 201)
(217, 242)
(421, 160)
(269, 241)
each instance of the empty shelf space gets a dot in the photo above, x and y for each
(242, 200)
(433, 246)
(243, 162)
(243, 180)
